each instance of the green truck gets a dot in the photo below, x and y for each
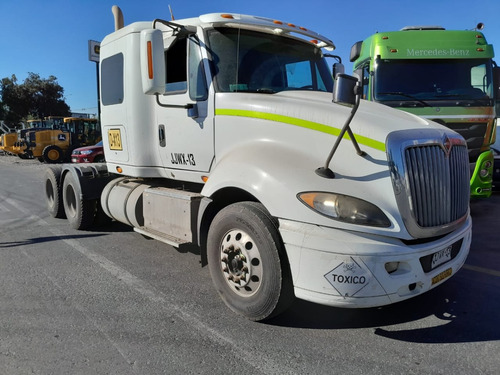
(447, 76)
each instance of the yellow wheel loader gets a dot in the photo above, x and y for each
(56, 145)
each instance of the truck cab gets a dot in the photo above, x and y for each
(447, 76)
(228, 132)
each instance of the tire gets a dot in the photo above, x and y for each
(52, 154)
(248, 263)
(53, 192)
(80, 213)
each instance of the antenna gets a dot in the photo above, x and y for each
(171, 13)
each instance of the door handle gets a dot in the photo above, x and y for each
(161, 135)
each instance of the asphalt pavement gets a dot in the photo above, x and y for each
(109, 301)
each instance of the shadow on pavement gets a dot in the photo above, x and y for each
(466, 313)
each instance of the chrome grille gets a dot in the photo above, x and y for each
(436, 184)
(430, 175)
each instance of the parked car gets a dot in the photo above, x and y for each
(89, 154)
(495, 147)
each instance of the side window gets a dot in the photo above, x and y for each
(176, 57)
(319, 80)
(478, 77)
(178, 67)
(112, 80)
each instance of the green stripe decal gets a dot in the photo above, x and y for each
(300, 123)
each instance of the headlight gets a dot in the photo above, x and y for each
(86, 152)
(345, 208)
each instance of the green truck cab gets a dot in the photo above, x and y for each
(447, 76)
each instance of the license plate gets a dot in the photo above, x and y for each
(441, 276)
(441, 257)
(115, 139)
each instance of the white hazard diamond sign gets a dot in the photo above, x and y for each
(349, 277)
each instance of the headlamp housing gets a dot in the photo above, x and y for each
(345, 208)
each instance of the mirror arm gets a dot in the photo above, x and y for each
(179, 30)
(325, 171)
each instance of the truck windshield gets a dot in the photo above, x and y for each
(249, 61)
(460, 82)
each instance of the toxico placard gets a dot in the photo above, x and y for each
(349, 277)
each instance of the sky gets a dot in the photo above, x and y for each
(50, 37)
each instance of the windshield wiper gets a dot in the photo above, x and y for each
(400, 93)
(260, 91)
(264, 90)
(451, 96)
(464, 100)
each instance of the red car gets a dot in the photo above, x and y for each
(89, 154)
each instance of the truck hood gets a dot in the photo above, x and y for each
(372, 123)
(276, 142)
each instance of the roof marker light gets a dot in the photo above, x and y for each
(278, 22)
(228, 16)
(303, 29)
(291, 25)
(394, 50)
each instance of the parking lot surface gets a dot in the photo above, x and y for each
(109, 301)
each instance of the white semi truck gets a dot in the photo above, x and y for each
(221, 131)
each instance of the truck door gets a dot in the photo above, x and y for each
(185, 118)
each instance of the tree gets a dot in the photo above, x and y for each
(46, 96)
(36, 97)
(14, 104)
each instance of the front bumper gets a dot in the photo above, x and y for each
(348, 269)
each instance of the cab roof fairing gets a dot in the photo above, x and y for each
(254, 23)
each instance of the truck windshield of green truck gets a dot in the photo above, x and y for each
(452, 82)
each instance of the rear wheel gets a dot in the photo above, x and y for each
(53, 192)
(52, 154)
(79, 212)
(247, 261)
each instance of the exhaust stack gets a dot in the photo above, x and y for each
(118, 15)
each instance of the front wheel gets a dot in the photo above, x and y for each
(247, 261)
